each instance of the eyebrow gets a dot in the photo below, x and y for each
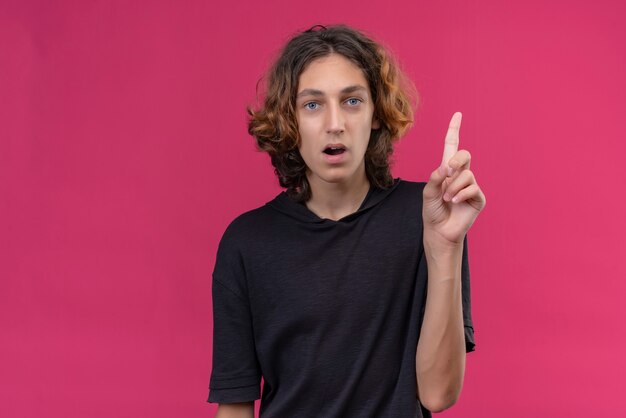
(315, 92)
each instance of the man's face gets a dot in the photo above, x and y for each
(334, 110)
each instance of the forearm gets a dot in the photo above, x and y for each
(236, 410)
(440, 354)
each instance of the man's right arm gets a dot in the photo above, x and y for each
(235, 410)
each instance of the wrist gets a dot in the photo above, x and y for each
(444, 259)
(437, 245)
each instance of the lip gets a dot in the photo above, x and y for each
(335, 159)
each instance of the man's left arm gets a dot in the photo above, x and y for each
(452, 201)
(440, 354)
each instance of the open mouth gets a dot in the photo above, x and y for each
(334, 150)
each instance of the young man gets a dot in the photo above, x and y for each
(349, 292)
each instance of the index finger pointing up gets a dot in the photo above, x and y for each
(452, 138)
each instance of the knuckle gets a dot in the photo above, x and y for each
(467, 175)
(464, 155)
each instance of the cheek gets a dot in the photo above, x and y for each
(306, 136)
(365, 136)
(304, 126)
(305, 146)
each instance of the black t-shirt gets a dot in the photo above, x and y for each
(327, 312)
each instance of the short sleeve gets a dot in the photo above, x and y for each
(235, 375)
(470, 343)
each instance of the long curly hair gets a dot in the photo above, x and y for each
(274, 125)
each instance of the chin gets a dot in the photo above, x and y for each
(338, 176)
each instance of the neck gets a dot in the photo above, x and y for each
(337, 200)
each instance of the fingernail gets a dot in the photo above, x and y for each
(450, 171)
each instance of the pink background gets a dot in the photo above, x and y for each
(124, 155)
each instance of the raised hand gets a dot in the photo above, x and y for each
(452, 198)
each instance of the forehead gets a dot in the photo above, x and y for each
(332, 72)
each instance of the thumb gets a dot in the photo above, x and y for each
(433, 188)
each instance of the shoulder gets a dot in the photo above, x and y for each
(252, 228)
(245, 226)
(238, 239)
(408, 186)
(408, 192)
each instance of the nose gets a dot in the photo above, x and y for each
(335, 119)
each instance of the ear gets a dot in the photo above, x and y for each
(375, 124)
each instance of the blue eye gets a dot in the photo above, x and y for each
(308, 105)
(353, 101)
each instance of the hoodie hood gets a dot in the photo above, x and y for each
(284, 204)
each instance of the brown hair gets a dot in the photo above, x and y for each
(275, 128)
